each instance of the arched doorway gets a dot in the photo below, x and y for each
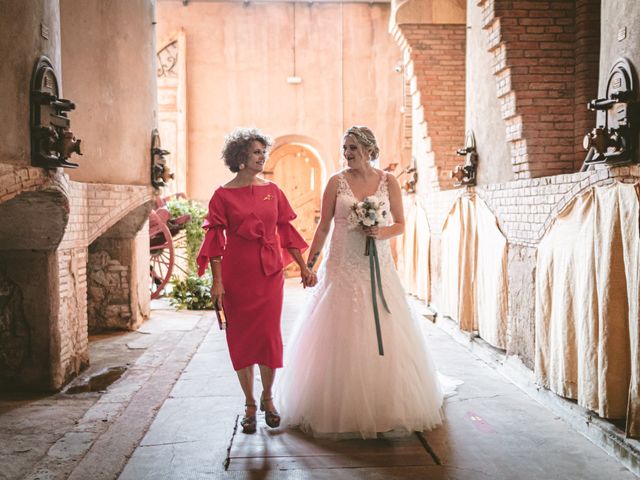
(297, 170)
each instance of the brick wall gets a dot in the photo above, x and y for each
(526, 208)
(533, 44)
(89, 210)
(70, 328)
(97, 207)
(15, 180)
(587, 71)
(435, 69)
(94, 208)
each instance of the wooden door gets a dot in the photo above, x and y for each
(298, 172)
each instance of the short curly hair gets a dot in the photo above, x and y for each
(365, 137)
(237, 145)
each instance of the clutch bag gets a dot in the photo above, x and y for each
(222, 318)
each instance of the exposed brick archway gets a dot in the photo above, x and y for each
(432, 38)
(545, 64)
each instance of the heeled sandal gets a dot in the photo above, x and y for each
(271, 418)
(249, 423)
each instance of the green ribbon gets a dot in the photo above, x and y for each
(374, 265)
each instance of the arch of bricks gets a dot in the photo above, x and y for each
(434, 58)
(545, 63)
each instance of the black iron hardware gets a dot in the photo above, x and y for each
(160, 172)
(465, 174)
(614, 140)
(52, 143)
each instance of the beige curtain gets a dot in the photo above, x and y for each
(422, 251)
(587, 303)
(491, 278)
(474, 270)
(409, 243)
(631, 233)
(458, 260)
(450, 262)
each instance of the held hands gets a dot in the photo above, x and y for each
(217, 292)
(309, 278)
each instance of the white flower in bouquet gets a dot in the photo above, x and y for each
(367, 213)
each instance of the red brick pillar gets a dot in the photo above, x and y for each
(437, 82)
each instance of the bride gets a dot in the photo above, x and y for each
(336, 382)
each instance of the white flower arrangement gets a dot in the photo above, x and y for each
(368, 213)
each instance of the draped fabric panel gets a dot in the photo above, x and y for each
(422, 251)
(450, 242)
(631, 234)
(408, 273)
(458, 264)
(491, 278)
(467, 249)
(587, 303)
(474, 270)
(413, 248)
(566, 304)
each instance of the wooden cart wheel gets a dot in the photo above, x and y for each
(162, 254)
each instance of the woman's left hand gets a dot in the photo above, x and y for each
(373, 231)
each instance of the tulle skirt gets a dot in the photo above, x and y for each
(335, 383)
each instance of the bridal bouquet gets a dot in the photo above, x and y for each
(368, 213)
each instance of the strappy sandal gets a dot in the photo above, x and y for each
(249, 423)
(271, 418)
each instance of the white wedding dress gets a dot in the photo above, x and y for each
(334, 382)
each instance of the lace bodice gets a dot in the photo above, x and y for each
(345, 257)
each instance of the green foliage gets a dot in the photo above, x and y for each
(193, 228)
(192, 292)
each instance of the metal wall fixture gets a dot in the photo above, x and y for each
(465, 174)
(409, 184)
(160, 172)
(52, 142)
(614, 140)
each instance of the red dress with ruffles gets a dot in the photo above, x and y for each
(250, 227)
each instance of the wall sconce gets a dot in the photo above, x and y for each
(465, 174)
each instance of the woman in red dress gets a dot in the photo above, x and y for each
(248, 243)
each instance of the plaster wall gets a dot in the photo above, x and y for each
(619, 18)
(108, 52)
(483, 107)
(428, 11)
(22, 42)
(238, 60)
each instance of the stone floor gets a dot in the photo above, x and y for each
(174, 415)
